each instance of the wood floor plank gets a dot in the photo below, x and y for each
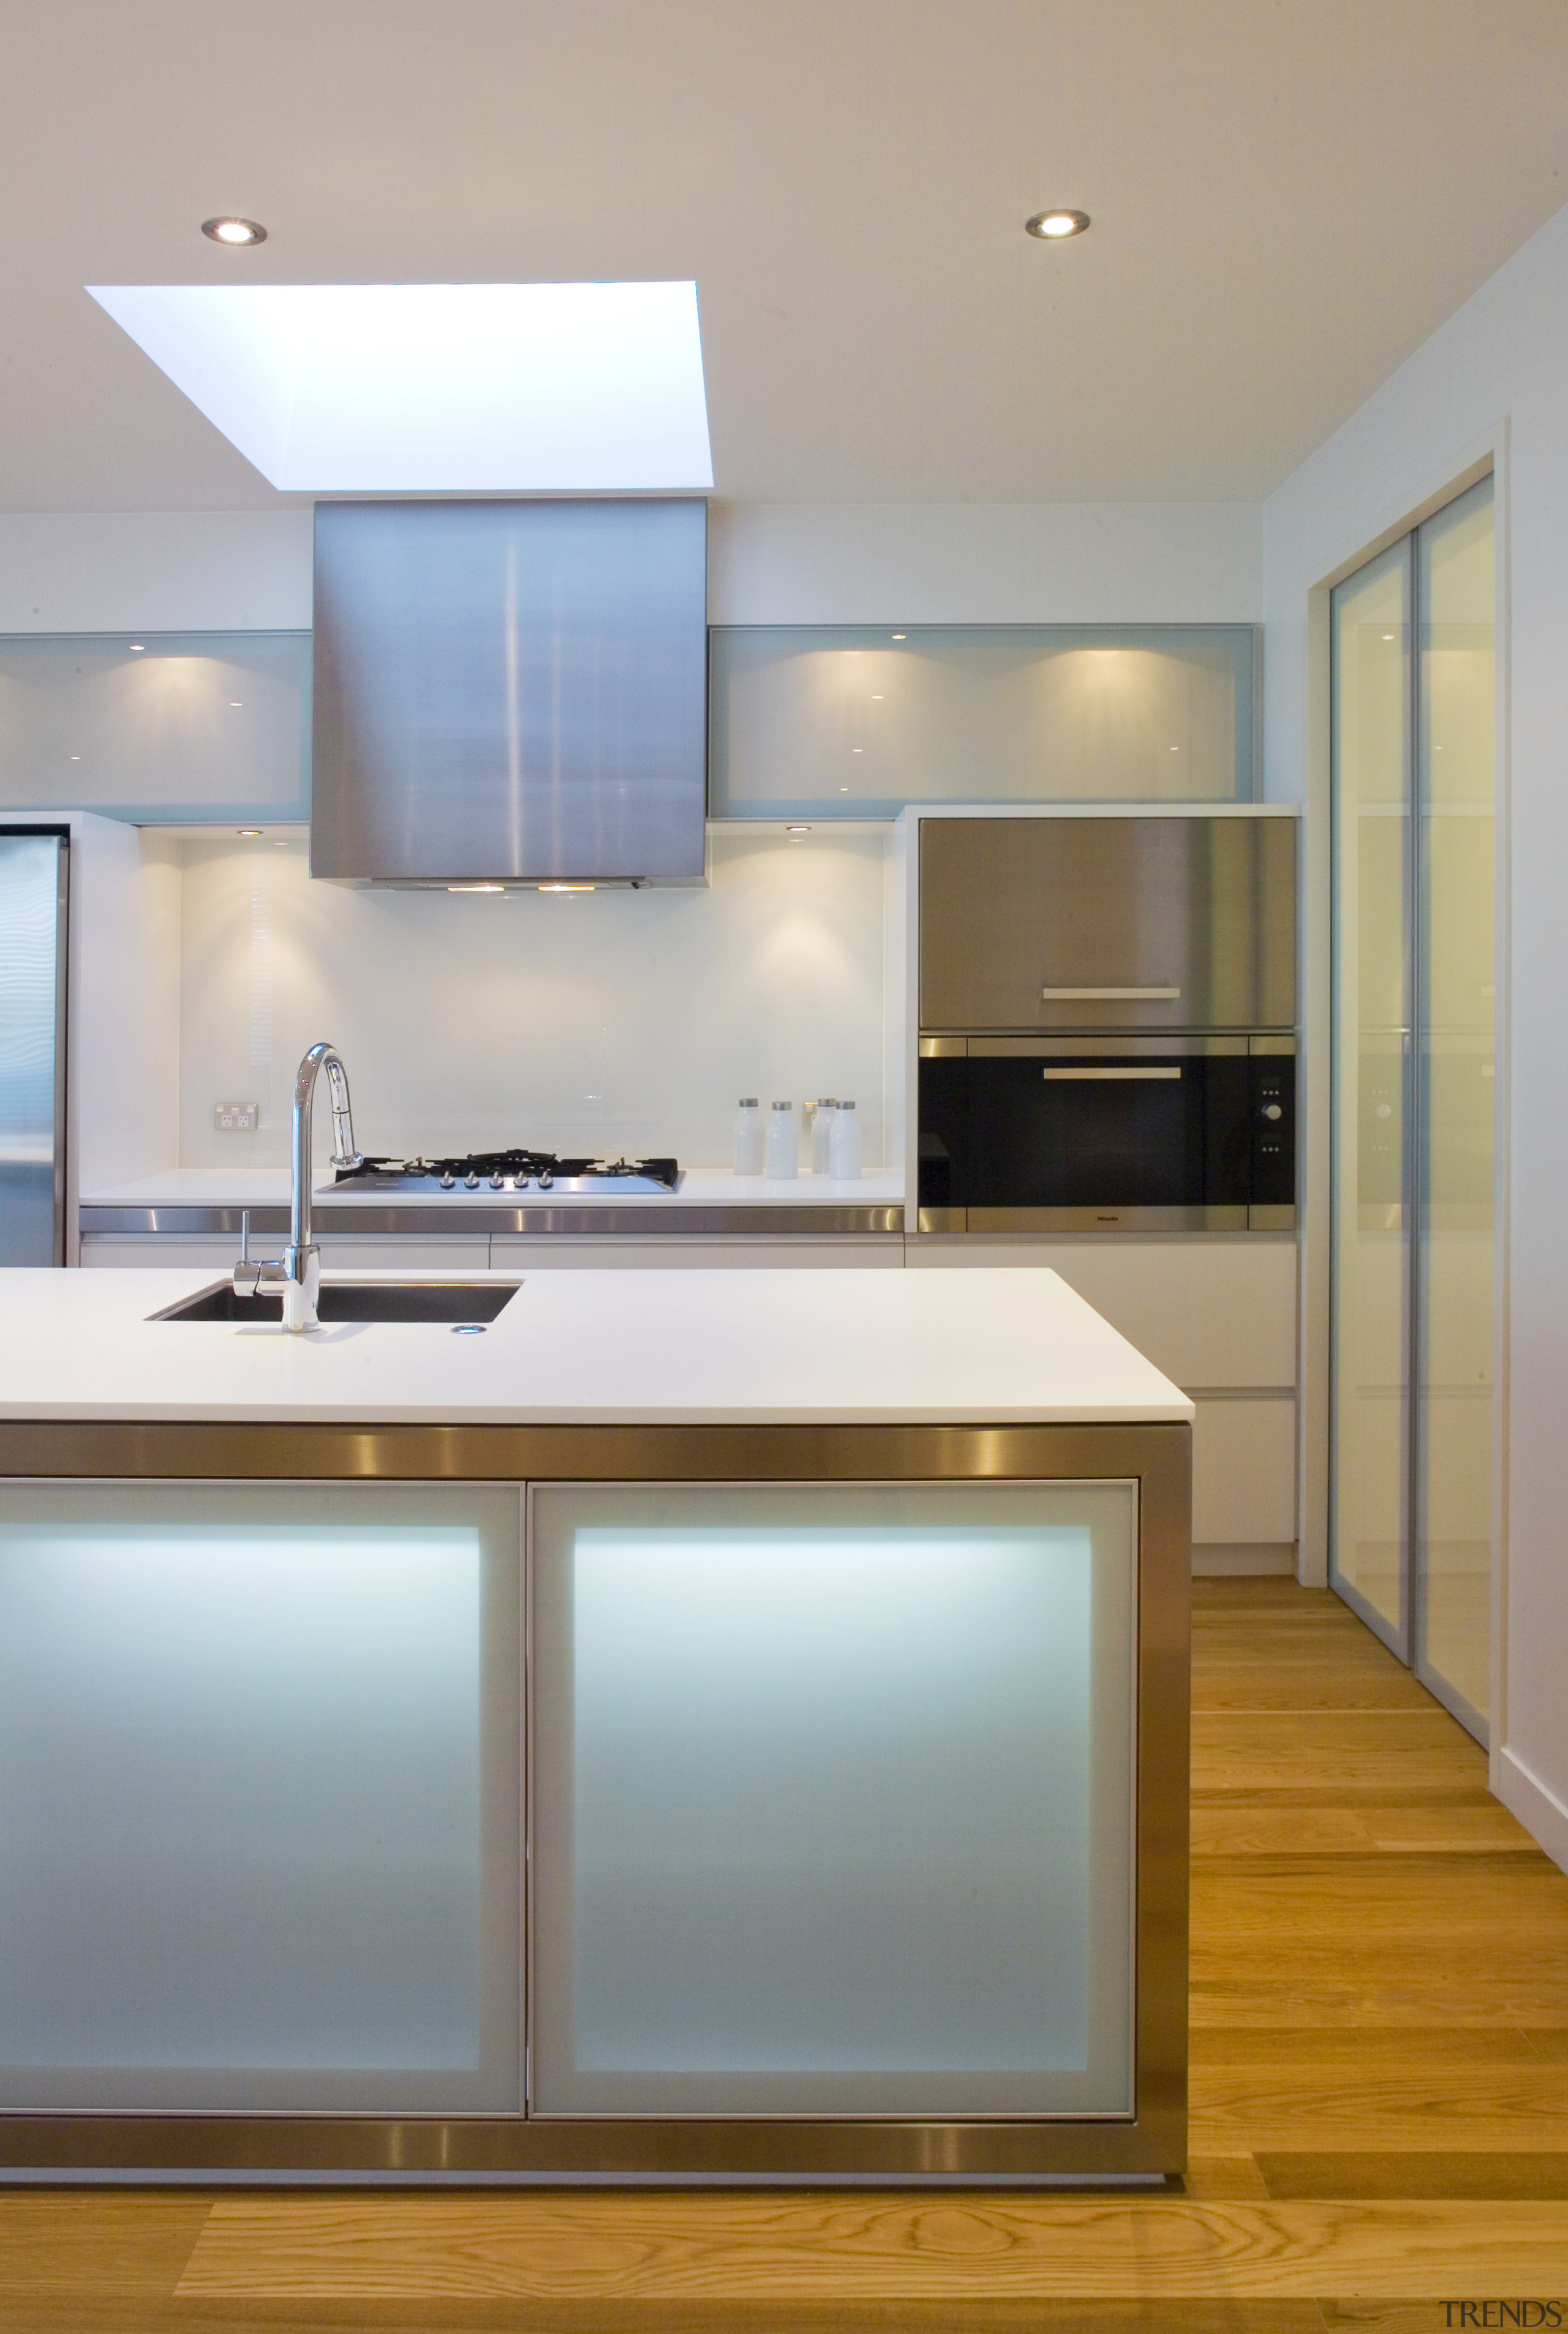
(69, 2240)
(402, 2315)
(1452, 1830)
(847, 2247)
(1276, 1831)
(1476, 2174)
(1336, 2001)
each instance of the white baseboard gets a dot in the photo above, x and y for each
(1217, 1558)
(1540, 1810)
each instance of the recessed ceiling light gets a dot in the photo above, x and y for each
(139, 648)
(236, 705)
(1055, 226)
(798, 830)
(249, 831)
(234, 230)
(900, 636)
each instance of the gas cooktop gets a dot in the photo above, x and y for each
(515, 1172)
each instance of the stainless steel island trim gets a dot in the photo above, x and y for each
(479, 1219)
(192, 2145)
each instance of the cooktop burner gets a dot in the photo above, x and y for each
(513, 1171)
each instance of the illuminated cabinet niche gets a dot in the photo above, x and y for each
(835, 722)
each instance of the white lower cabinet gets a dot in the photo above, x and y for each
(169, 1251)
(736, 1253)
(1244, 1472)
(158, 1251)
(1219, 1317)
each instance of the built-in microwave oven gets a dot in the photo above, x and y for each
(1108, 1133)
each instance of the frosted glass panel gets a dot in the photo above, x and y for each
(257, 1797)
(1372, 1017)
(182, 726)
(846, 721)
(834, 1799)
(1454, 1368)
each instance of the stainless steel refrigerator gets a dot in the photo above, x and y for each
(35, 862)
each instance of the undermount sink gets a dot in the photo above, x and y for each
(463, 1303)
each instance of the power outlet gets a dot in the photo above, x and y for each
(235, 1117)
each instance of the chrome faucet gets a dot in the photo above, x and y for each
(298, 1268)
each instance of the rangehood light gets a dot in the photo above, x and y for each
(564, 887)
(1055, 226)
(476, 887)
(234, 231)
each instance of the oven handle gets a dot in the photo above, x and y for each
(1109, 996)
(1074, 1072)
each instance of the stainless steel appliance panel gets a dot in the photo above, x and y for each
(510, 690)
(1108, 923)
(32, 918)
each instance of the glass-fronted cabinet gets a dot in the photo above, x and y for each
(833, 1799)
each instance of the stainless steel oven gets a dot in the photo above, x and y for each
(1107, 1015)
(1108, 1133)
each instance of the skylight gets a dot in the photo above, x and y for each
(438, 388)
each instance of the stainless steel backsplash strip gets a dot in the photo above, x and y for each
(465, 1221)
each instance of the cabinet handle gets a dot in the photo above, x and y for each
(1108, 996)
(1078, 1072)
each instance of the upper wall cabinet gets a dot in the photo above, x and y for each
(841, 722)
(160, 726)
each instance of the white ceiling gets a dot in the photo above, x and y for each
(1288, 197)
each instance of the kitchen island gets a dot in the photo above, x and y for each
(692, 1726)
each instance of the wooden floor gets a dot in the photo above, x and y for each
(1379, 2102)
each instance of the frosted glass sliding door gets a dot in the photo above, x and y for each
(258, 1798)
(1372, 1010)
(1456, 1093)
(834, 1799)
(1415, 949)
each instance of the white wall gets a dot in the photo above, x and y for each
(1492, 378)
(590, 1023)
(769, 564)
(984, 563)
(158, 571)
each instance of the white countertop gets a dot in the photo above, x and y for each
(1007, 1346)
(701, 1187)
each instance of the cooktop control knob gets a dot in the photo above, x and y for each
(470, 1180)
(447, 1182)
(498, 1182)
(546, 1181)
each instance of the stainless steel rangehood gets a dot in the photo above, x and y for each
(510, 693)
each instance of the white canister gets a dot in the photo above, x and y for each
(783, 1154)
(822, 1113)
(843, 1145)
(748, 1137)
